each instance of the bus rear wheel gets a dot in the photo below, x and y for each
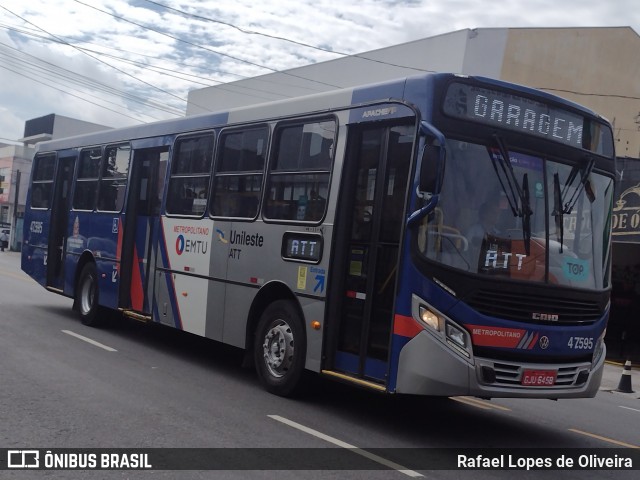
(280, 348)
(87, 295)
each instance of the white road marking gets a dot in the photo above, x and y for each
(604, 439)
(480, 403)
(629, 408)
(353, 448)
(88, 340)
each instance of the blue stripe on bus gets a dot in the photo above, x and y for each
(162, 247)
(349, 363)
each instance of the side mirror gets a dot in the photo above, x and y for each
(433, 161)
(432, 169)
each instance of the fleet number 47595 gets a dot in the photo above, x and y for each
(580, 343)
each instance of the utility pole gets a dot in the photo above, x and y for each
(15, 212)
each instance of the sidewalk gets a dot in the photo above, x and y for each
(611, 379)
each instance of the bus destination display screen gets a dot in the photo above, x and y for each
(302, 246)
(512, 112)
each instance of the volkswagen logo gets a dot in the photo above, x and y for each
(544, 342)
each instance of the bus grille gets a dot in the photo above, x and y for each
(509, 375)
(535, 308)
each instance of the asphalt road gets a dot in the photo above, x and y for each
(131, 385)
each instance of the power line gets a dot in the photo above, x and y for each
(243, 30)
(284, 39)
(67, 40)
(68, 93)
(608, 95)
(94, 57)
(81, 80)
(158, 69)
(207, 48)
(164, 71)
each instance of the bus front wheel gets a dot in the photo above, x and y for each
(280, 348)
(87, 295)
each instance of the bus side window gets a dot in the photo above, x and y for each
(86, 186)
(300, 171)
(190, 172)
(113, 181)
(239, 170)
(42, 187)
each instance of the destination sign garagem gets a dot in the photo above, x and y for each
(505, 110)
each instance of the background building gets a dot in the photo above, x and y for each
(596, 67)
(14, 160)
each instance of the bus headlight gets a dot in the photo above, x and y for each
(456, 335)
(457, 338)
(442, 328)
(599, 349)
(430, 318)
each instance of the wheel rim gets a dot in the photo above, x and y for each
(87, 294)
(278, 348)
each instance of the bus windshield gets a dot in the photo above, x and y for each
(530, 219)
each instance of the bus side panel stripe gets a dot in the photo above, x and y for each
(405, 326)
(119, 247)
(169, 278)
(137, 296)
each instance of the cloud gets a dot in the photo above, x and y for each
(147, 53)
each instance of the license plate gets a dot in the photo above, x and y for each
(539, 378)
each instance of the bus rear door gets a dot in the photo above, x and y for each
(59, 222)
(366, 256)
(141, 230)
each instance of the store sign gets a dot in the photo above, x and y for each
(626, 212)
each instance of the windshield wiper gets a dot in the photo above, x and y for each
(526, 214)
(562, 207)
(558, 210)
(585, 171)
(517, 197)
(514, 194)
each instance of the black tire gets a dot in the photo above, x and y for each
(86, 299)
(280, 348)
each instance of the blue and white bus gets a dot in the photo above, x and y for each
(346, 234)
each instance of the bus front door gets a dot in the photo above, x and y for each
(372, 205)
(141, 230)
(59, 222)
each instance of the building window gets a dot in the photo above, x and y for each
(42, 184)
(238, 178)
(4, 216)
(298, 181)
(190, 173)
(113, 181)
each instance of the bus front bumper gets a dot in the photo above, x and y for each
(428, 367)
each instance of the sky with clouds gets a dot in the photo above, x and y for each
(120, 62)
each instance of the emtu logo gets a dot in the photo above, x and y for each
(221, 236)
(180, 244)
